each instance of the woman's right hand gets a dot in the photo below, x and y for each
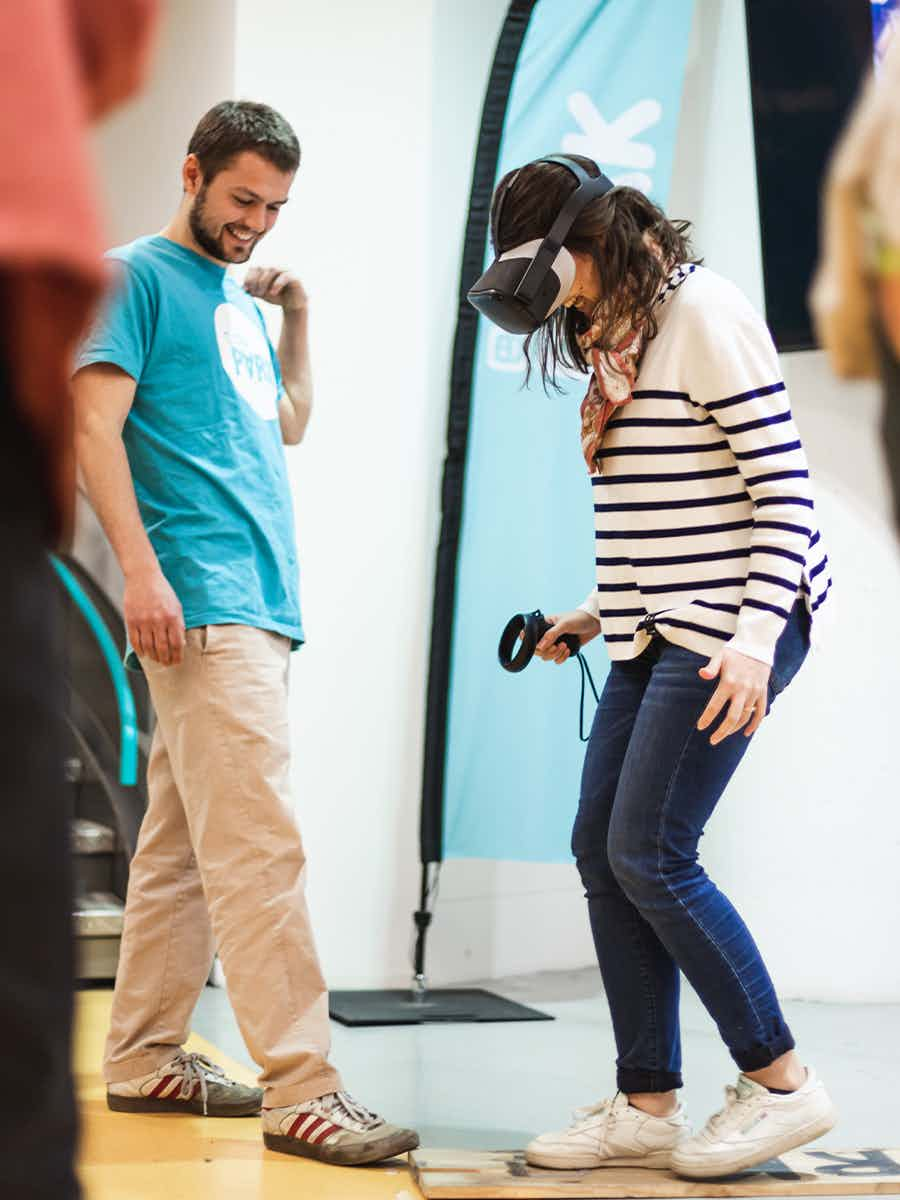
(578, 622)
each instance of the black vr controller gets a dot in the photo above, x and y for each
(524, 631)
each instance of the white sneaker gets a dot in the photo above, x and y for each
(611, 1134)
(754, 1126)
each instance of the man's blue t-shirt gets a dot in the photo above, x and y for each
(203, 437)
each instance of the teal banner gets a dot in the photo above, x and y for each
(602, 78)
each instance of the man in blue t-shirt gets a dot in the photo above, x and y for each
(182, 407)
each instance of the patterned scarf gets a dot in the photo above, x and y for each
(615, 371)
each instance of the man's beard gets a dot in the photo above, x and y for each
(207, 241)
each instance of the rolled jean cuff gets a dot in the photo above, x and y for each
(631, 1080)
(758, 1057)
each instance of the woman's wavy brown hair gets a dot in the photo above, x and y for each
(611, 229)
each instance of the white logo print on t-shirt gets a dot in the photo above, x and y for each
(247, 360)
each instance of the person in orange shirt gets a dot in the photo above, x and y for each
(63, 63)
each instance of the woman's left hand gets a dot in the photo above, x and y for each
(743, 687)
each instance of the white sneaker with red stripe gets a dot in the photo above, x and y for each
(189, 1084)
(334, 1129)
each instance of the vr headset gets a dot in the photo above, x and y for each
(523, 286)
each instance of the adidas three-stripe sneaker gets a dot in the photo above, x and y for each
(334, 1129)
(189, 1084)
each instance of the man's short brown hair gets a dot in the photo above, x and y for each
(234, 126)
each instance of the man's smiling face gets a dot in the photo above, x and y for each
(238, 206)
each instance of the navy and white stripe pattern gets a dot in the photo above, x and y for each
(705, 523)
(677, 276)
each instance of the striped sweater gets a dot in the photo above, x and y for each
(705, 524)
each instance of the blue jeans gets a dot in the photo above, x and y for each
(651, 780)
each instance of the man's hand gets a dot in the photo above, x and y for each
(153, 617)
(743, 686)
(580, 623)
(277, 286)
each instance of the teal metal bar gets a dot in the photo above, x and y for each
(128, 743)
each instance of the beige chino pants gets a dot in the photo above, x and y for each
(220, 863)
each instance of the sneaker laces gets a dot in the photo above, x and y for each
(737, 1101)
(583, 1117)
(343, 1110)
(194, 1069)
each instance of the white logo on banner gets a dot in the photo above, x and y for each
(504, 351)
(246, 358)
(613, 142)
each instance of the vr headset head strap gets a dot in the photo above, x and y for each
(589, 187)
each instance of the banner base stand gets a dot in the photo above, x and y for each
(403, 1006)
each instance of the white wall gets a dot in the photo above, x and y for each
(386, 100)
(808, 835)
(140, 148)
(714, 174)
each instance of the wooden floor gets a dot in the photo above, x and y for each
(132, 1157)
(461, 1175)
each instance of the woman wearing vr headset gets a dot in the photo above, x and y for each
(710, 576)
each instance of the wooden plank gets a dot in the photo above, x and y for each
(504, 1175)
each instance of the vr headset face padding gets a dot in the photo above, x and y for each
(495, 293)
